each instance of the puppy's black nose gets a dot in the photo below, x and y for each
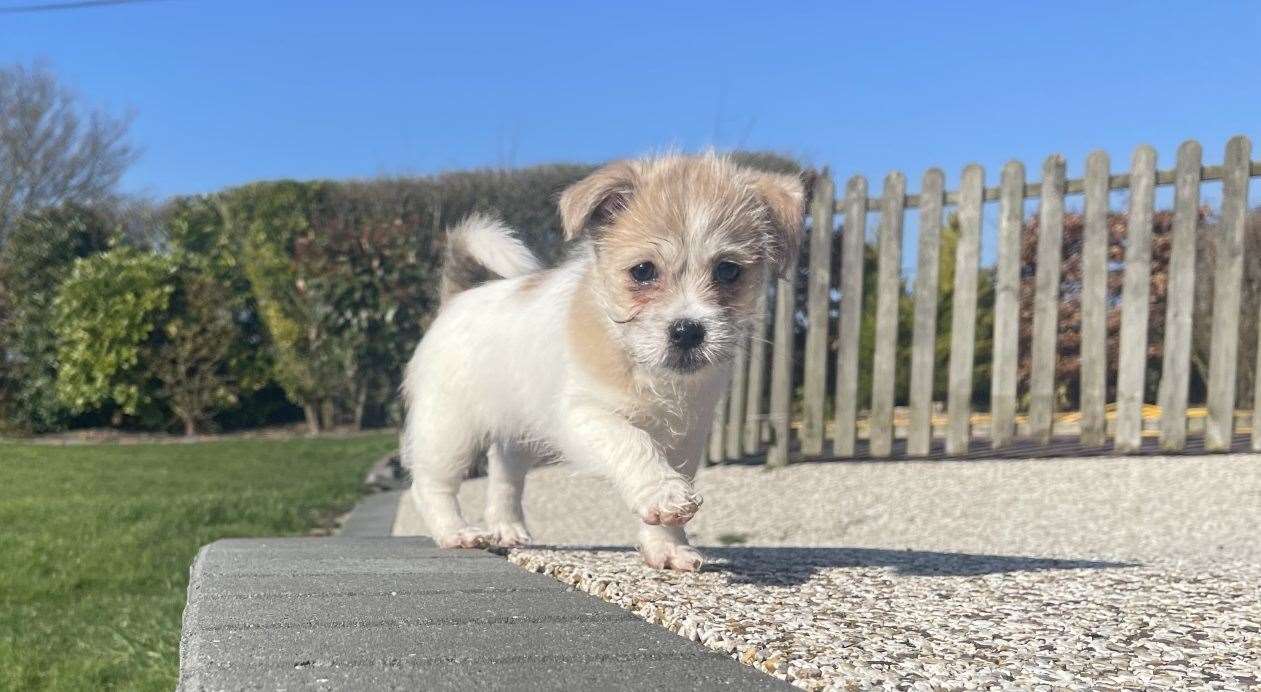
(686, 334)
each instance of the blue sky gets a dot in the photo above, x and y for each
(228, 91)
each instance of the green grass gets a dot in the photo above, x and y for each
(96, 542)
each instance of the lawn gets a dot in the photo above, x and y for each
(96, 541)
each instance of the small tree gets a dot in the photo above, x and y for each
(266, 220)
(53, 150)
(194, 231)
(191, 362)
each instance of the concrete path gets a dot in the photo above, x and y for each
(1137, 508)
(369, 613)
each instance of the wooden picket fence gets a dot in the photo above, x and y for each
(743, 429)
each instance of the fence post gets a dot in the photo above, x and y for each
(1093, 376)
(757, 376)
(1046, 302)
(782, 366)
(716, 431)
(849, 323)
(735, 402)
(1256, 397)
(1132, 356)
(1224, 350)
(963, 311)
(1175, 372)
(1006, 354)
(924, 340)
(815, 379)
(888, 292)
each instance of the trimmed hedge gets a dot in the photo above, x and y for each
(318, 290)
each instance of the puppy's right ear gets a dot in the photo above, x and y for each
(593, 201)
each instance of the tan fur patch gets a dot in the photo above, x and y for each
(532, 282)
(591, 343)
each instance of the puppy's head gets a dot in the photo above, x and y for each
(683, 245)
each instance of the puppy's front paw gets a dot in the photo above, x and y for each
(467, 537)
(509, 534)
(676, 556)
(672, 503)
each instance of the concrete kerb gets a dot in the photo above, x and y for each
(366, 611)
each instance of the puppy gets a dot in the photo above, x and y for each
(614, 360)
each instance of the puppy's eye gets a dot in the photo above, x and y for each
(643, 272)
(726, 272)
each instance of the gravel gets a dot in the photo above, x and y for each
(1137, 573)
(854, 619)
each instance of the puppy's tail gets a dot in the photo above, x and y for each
(479, 249)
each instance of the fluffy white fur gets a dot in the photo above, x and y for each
(511, 367)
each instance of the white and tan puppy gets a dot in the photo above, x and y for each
(614, 360)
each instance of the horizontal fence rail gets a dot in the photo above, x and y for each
(762, 413)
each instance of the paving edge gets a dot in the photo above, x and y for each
(373, 517)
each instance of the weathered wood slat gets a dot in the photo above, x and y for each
(963, 317)
(756, 387)
(1256, 395)
(782, 367)
(736, 402)
(1093, 377)
(716, 436)
(1135, 299)
(1227, 280)
(1175, 379)
(924, 339)
(1094, 309)
(818, 298)
(888, 291)
(849, 323)
(1046, 302)
(1007, 307)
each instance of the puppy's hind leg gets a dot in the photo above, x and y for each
(507, 465)
(439, 450)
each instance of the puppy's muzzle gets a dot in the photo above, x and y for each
(686, 335)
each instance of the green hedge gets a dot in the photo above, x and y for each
(254, 305)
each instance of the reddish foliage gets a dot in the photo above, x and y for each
(1068, 365)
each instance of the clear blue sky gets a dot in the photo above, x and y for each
(228, 91)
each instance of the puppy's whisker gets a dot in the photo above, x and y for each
(633, 316)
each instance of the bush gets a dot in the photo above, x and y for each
(194, 230)
(106, 313)
(321, 289)
(146, 335)
(38, 255)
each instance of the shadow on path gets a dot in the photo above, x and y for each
(795, 566)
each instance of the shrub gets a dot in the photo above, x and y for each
(194, 230)
(106, 313)
(266, 222)
(192, 362)
(145, 335)
(38, 255)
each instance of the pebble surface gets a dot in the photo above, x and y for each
(1104, 573)
(842, 619)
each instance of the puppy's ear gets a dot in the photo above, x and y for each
(594, 200)
(785, 200)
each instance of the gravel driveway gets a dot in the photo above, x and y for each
(1101, 573)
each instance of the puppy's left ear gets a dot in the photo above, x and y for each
(785, 200)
